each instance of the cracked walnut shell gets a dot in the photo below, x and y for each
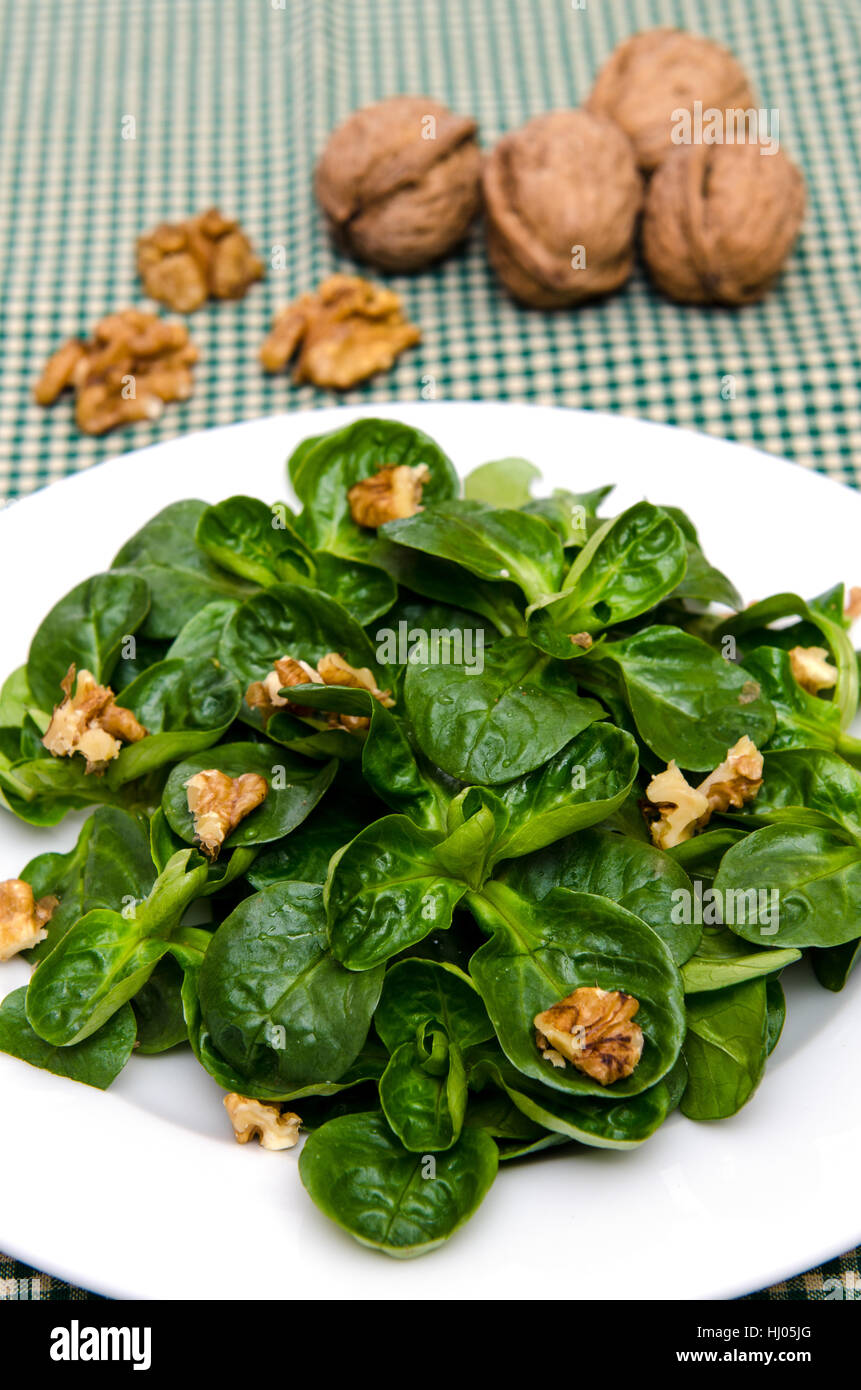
(344, 332)
(720, 222)
(562, 197)
(218, 803)
(134, 363)
(22, 918)
(399, 182)
(182, 264)
(652, 75)
(593, 1029)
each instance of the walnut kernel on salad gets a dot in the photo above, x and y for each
(438, 828)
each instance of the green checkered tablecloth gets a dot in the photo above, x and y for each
(230, 102)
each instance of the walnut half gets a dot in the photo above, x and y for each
(333, 670)
(134, 363)
(812, 669)
(275, 1129)
(264, 695)
(593, 1029)
(90, 722)
(344, 332)
(679, 810)
(218, 803)
(182, 264)
(390, 494)
(22, 919)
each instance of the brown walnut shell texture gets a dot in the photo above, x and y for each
(652, 74)
(720, 222)
(564, 180)
(393, 197)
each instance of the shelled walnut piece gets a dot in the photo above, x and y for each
(265, 695)
(218, 803)
(812, 669)
(853, 603)
(678, 810)
(89, 721)
(391, 494)
(22, 919)
(276, 1129)
(593, 1029)
(134, 363)
(182, 264)
(344, 332)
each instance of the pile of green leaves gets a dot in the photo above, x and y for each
(373, 942)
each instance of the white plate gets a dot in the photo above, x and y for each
(142, 1192)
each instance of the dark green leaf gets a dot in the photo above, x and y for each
(96, 1061)
(725, 1049)
(106, 957)
(322, 471)
(417, 992)
(688, 702)
(86, 629)
(538, 955)
(792, 885)
(277, 1005)
(295, 787)
(180, 576)
(360, 1175)
(387, 890)
(580, 786)
(109, 867)
(493, 544)
(630, 564)
(495, 724)
(633, 874)
(184, 705)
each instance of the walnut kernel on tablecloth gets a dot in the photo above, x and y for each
(22, 919)
(182, 264)
(399, 182)
(593, 1029)
(344, 332)
(134, 363)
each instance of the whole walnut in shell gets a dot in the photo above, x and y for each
(562, 197)
(652, 74)
(399, 182)
(720, 222)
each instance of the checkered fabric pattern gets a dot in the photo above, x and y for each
(117, 117)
